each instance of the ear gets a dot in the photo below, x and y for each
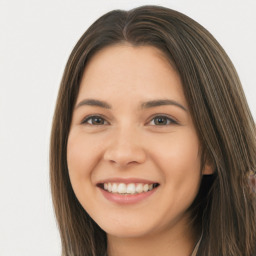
(208, 169)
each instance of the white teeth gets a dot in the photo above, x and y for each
(139, 188)
(109, 187)
(121, 188)
(145, 188)
(114, 187)
(131, 188)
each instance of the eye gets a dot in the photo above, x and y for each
(162, 120)
(94, 120)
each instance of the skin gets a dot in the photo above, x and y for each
(130, 143)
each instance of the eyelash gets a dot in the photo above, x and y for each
(170, 121)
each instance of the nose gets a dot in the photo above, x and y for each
(125, 149)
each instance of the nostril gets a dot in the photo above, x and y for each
(124, 154)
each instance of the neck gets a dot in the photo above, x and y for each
(172, 242)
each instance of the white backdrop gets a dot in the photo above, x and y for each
(36, 38)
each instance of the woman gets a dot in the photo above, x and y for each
(152, 142)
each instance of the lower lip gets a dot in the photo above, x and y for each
(127, 199)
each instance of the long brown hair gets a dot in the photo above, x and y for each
(225, 207)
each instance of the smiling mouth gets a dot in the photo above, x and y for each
(127, 189)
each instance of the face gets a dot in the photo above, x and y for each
(133, 153)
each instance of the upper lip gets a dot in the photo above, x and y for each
(126, 180)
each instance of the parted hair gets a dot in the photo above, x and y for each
(224, 208)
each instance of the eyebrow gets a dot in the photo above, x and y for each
(144, 105)
(93, 102)
(161, 102)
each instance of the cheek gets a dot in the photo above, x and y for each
(178, 157)
(82, 156)
(178, 150)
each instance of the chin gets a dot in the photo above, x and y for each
(126, 231)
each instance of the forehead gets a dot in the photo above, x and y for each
(125, 70)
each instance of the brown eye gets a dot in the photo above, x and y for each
(162, 120)
(94, 120)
